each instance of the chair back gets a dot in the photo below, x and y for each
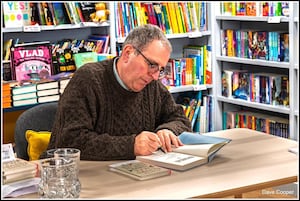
(37, 118)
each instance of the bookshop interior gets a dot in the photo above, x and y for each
(234, 69)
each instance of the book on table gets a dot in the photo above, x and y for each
(198, 149)
(139, 170)
(16, 169)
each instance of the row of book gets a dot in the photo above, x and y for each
(255, 8)
(256, 121)
(39, 60)
(267, 88)
(171, 17)
(194, 68)
(20, 14)
(94, 43)
(42, 91)
(271, 46)
(197, 109)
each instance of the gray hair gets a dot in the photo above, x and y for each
(141, 36)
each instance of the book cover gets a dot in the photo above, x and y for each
(227, 83)
(208, 65)
(197, 144)
(72, 12)
(197, 53)
(15, 14)
(60, 15)
(6, 71)
(41, 14)
(139, 170)
(31, 61)
(34, 14)
(6, 49)
(84, 57)
(49, 18)
(105, 38)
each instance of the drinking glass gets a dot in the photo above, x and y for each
(69, 153)
(59, 179)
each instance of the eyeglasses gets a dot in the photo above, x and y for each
(153, 68)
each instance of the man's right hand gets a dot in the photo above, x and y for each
(146, 143)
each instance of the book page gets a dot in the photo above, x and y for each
(173, 158)
(203, 150)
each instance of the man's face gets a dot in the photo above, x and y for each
(144, 67)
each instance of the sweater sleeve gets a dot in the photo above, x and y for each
(77, 118)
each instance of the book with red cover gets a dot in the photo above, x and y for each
(31, 61)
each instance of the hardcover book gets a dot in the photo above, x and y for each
(24, 96)
(29, 101)
(31, 61)
(23, 89)
(139, 170)
(198, 149)
(51, 98)
(84, 57)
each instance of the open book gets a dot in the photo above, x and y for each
(198, 149)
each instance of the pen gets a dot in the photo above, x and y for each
(160, 148)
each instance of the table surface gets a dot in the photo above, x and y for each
(251, 161)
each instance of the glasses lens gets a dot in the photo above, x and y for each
(161, 72)
(153, 68)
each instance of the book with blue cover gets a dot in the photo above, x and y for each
(198, 149)
(201, 145)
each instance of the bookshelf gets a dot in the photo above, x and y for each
(53, 33)
(290, 68)
(125, 21)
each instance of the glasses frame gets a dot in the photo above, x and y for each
(153, 68)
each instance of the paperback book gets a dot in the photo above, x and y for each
(31, 61)
(139, 170)
(198, 149)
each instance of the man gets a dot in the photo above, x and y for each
(118, 109)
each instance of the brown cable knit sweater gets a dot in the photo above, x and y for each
(99, 117)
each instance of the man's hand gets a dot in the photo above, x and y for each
(168, 138)
(146, 143)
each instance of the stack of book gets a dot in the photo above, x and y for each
(24, 95)
(6, 95)
(48, 91)
(63, 84)
(18, 170)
